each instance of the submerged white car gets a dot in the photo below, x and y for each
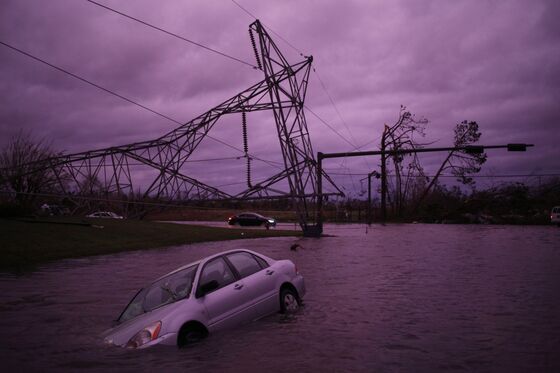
(215, 293)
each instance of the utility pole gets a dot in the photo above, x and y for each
(384, 175)
(376, 174)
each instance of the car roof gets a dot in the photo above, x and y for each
(251, 213)
(205, 259)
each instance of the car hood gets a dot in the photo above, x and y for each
(120, 334)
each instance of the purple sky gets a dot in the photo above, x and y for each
(496, 62)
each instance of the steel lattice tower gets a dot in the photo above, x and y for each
(282, 91)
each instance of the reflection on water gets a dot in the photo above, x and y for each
(388, 298)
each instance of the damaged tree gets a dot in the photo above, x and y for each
(462, 163)
(20, 157)
(397, 137)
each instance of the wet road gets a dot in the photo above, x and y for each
(399, 298)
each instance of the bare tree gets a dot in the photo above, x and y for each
(401, 135)
(23, 170)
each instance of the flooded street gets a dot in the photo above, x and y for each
(397, 298)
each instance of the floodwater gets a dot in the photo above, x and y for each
(394, 298)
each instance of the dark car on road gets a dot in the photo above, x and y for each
(251, 219)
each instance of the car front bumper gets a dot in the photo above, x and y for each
(169, 339)
(299, 283)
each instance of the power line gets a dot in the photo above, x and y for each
(355, 147)
(335, 107)
(270, 163)
(173, 34)
(453, 176)
(331, 128)
(269, 28)
(127, 99)
(365, 161)
(320, 80)
(90, 83)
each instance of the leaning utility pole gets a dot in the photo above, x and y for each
(384, 174)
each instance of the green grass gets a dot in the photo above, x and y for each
(25, 243)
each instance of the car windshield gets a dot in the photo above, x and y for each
(166, 290)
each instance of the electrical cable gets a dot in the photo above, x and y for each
(271, 163)
(355, 147)
(351, 143)
(269, 28)
(329, 126)
(335, 107)
(339, 115)
(453, 176)
(172, 34)
(320, 80)
(90, 83)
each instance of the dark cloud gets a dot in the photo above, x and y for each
(494, 62)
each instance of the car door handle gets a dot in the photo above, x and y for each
(238, 286)
(269, 272)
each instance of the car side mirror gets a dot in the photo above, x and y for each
(207, 288)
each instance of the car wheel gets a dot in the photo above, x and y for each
(289, 302)
(190, 335)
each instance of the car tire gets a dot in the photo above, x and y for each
(289, 301)
(190, 335)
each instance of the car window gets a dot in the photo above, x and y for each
(263, 263)
(244, 263)
(218, 270)
(169, 289)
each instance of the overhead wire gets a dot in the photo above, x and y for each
(335, 106)
(173, 34)
(454, 176)
(271, 163)
(275, 164)
(90, 82)
(84, 80)
(329, 126)
(269, 28)
(352, 143)
(322, 83)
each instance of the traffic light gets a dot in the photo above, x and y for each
(516, 147)
(474, 149)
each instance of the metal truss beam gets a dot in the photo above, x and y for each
(108, 171)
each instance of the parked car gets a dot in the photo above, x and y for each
(251, 219)
(215, 293)
(104, 214)
(555, 215)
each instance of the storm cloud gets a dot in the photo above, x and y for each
(494, 62)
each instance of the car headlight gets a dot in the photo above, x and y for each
(271, 221)
(145, 335)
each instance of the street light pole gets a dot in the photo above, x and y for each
(376, 174)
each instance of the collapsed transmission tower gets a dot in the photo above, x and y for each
(282, 91)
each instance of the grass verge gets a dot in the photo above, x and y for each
(25, 243)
